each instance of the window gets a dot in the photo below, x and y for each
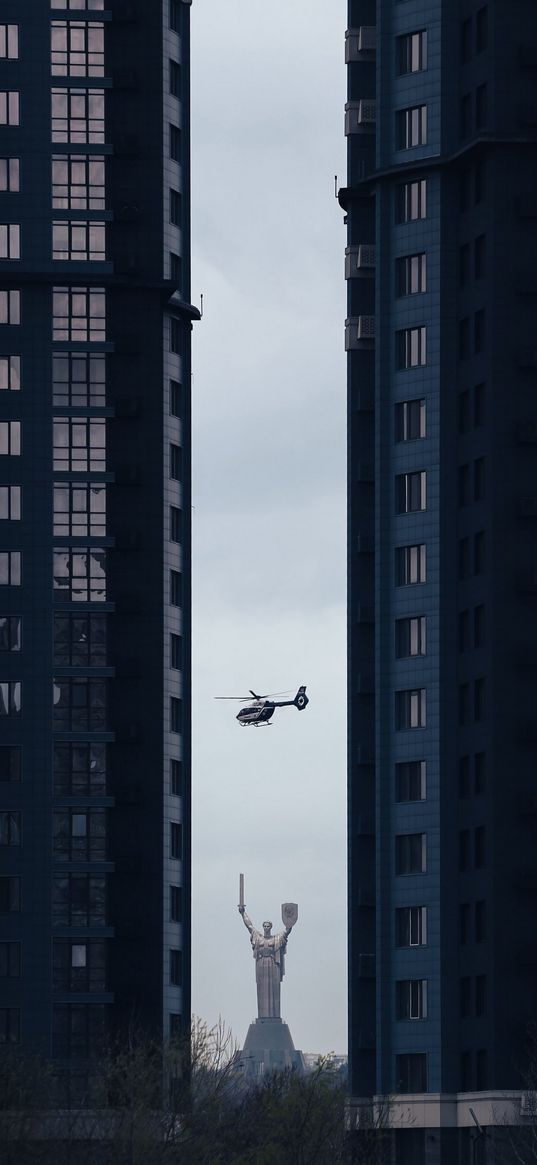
(410, 420)
(176, 967)
(479, 699)
(79, 900)
(79, 314)
(10, 895)
(412, 201)
(411, 565)
(176, 269)
(79, 966)
(412, 52)
(10, 240)
(466, 1072)
(176, 840)
(78, 1030)
(480, 921)
(10, 438)
(479, 331)
(175, 652)
(411, 492)
(175, 79)
(78, 182)
(79, 835)
(465, 115)
(411, 709)
(481, 101)
(9, 107)
(411, 127)
(411, 998)
(79, 703)
(9, 174)
(77, 48)
(10, 307)
(479, 847)
(9, 42)
(411, 346)
(464, 264)
(175, 588)
(411, 1072)
(92, 5)
(10, 960)
(464, 849)
(466, 39)
(464, 703)
(479, 256)
(10, 502)
(465, 997)
(79, 445)
(176, 781)
(463, 409)
(464, 339)
(10, 763)
(463, 485)
(176, 517)
(175, 15)
(479, 552)
(410, 780)
(175, 207)
(411, 926)
(176, 904)
(80, 575)
(479, 773)
(479, 404)
(175, 462)
(79, 769)
(79, 241)
(480, 995)
(480, 181)
(479, 625)
(463, 627)
(80, 510)
(481, 29)
(176, 714)
(481, 1069)
(411, 853)
(10, 827)
(175, 398)
(10, 1025)
(10, 568)
(78, 116)
(175, 335)
(411, 636)
(79, 380)
(80, 640)
(175, 143)
(464, 923)
(10, 633)
(175, 1025)
(411, 274)
(10, 698)
(9, 374)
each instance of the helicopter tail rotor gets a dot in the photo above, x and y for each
(301, 699)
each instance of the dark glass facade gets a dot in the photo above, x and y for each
(95, 331)
(441, 125)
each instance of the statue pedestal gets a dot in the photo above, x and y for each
(269, 1046)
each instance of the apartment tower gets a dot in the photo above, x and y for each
(95, 329)
(441, 123)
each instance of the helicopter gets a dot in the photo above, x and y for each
(260, 710)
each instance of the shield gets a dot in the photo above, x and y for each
(289, 914)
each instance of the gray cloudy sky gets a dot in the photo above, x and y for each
(268, 89)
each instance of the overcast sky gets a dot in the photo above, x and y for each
(268, 90)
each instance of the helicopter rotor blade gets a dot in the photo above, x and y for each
(231, 697)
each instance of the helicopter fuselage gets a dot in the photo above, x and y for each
(256, 714)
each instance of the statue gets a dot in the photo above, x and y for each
(269, 954)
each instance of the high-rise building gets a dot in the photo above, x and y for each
(95, 329)
(440, 200)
